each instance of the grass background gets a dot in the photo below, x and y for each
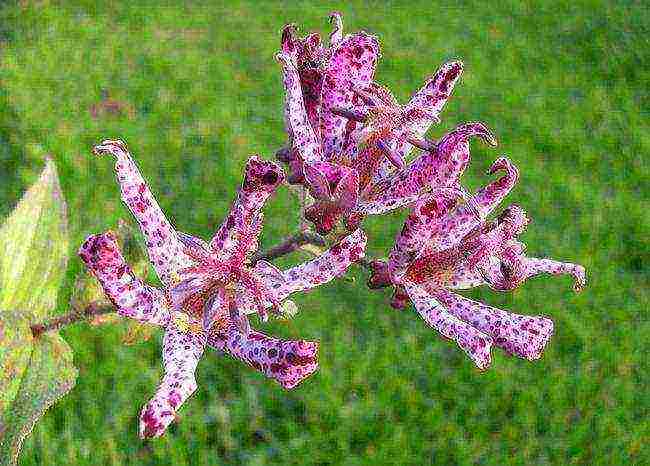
(565, 86)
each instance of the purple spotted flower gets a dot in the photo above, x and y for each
(209, 288)
(448, 244)
(317, 78)
(349, 137)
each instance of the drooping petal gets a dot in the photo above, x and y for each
(302, 134)
(535, 266)
(521, 335)
(183, 346)
(475, 343)
(239, 232)
(352, 63)
(288, 362)
(130, 295)
(163, 245)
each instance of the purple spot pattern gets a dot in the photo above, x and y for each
(209, 287)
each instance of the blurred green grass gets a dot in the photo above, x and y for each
(565, 87)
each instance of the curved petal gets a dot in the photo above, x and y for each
(352, 63)
(431, 98)
(475, 343)
(465, 218)
(536, 266)
(164, 248)
(239, 232)
(130, 295)
(182, 349)
(289, 362)
(523, 336)
(442, 166)
(302, 134)
(331, 264)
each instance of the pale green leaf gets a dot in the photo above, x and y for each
(49, 376)
(15, 350)
(34, 245)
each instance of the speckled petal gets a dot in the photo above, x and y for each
(286, 361)
(346, 193)
(331, 264)
(441, 167)
(523, 336)
(352, 63)
(131, 297)
(239, 232)
(182, 349)
(302, 134)
(336, 36)
(536, 266)
(421, 224)
(475, 343)
(309, 53)
(489, 197)
(317, 182)
(163, 246)
(382, 206)
(469, 215)
(432, 97)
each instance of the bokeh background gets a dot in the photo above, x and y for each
(194, 89)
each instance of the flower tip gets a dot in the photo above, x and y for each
(288, 37)
(580, 279)
(335, 16)
(114, 147)
(489, 138)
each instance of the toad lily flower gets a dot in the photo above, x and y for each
(437, 170)
(445, 246)
(353, 181)
(317, 78)
(208, 288)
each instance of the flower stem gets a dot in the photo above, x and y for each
(92, 309)
(288, 246)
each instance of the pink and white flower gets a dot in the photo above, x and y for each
(209, 288)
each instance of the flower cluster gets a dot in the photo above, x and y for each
(350, 144)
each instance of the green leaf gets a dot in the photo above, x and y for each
(34, 245)
(49, 376)
(34, 372)
(15, 351)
